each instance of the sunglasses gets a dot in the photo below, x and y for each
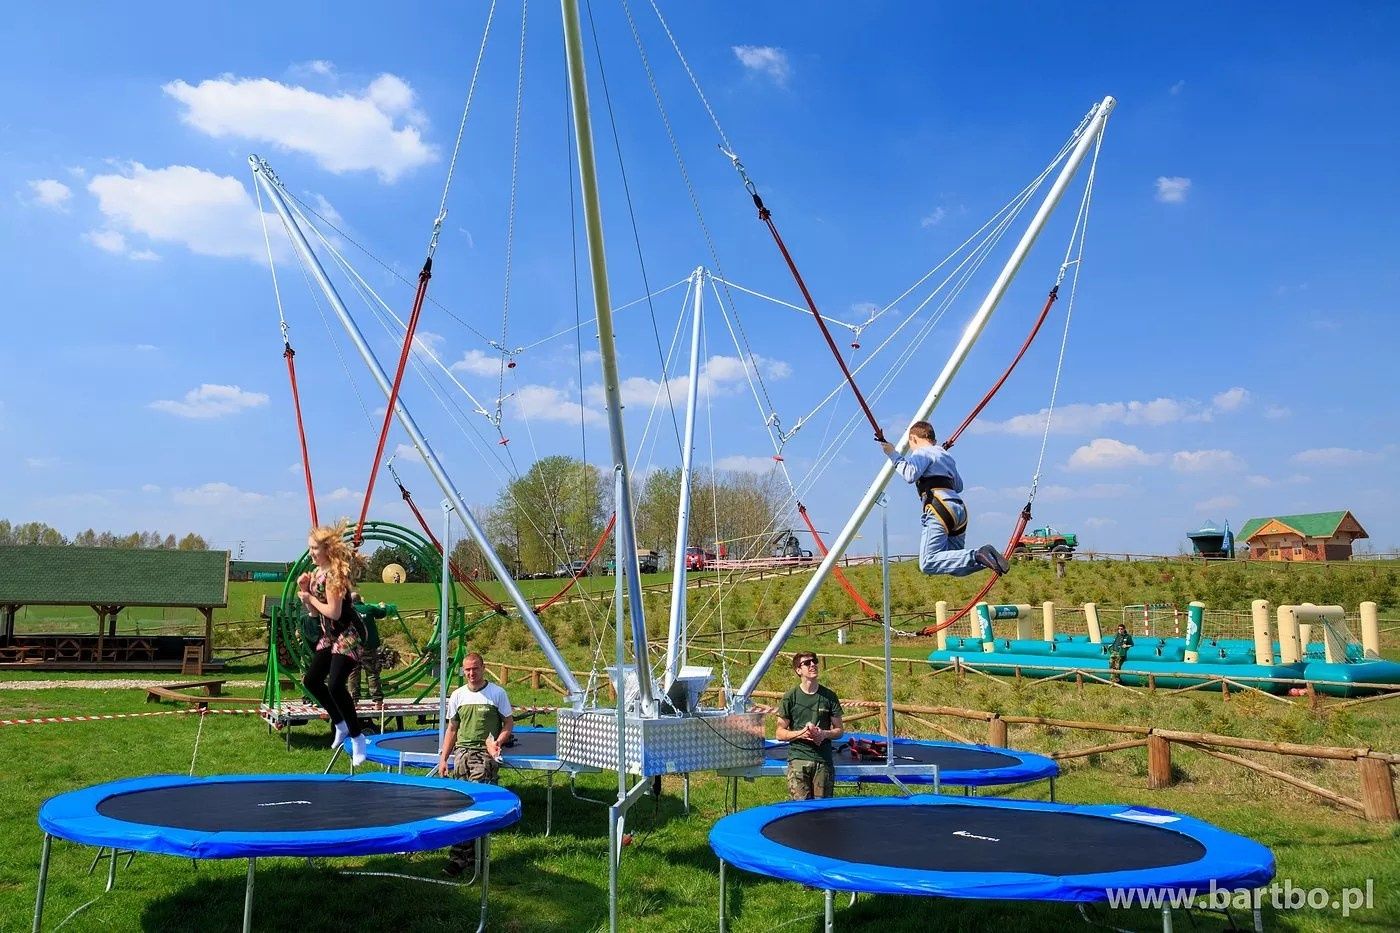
(812, 662)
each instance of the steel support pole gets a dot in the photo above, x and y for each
(607, 342)
(273, 188)
(444, 629)
(837, 549)
(676, 635)
(43, 882)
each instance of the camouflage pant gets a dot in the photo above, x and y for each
(472, 764)
(808, 780)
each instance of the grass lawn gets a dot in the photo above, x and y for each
(560, 882)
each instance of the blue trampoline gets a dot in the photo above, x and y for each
(985, 848)
(276, 815)
(916, 761)
(534, 748)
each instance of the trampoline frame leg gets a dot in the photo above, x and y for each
(685, 792)
(43, 882)
(829, 910)
(548, 803)
(1166, 919)
(1258, 917)
(248, 898)
(723, 898)
(483, 859)
(1052, 790)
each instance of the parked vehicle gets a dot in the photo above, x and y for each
(574, 568)
(698, 558)
(1046, 541)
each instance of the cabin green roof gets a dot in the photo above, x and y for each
(86, 576)
(1311, 525)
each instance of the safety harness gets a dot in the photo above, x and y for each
(866, 749)
(934, 505)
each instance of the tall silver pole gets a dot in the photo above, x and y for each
(265, 176)
(935, 394)
(443, 628)
(616, 811)
(675, 640)
(607, 343)
(885, 616)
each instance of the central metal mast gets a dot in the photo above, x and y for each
(607, 346)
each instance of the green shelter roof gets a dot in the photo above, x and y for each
(1312, 524)
(86, 576)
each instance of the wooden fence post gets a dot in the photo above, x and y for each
(535, 678)
(1377, 789)
(1159, 762)
(996, 732)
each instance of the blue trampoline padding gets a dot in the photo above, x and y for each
(987, 864)
(384, 749)
(444, 812)
(1004, 765)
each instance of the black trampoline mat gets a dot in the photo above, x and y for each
(947, 758)
(534, 744)
(282, 806)
(966, 838)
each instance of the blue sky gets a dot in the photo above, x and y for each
(1232, 341)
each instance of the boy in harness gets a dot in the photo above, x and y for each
(934, 474)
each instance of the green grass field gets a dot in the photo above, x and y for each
(669, 874)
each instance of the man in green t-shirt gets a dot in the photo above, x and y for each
(480, 721)
(809, 717)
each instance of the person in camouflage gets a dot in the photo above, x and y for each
(480, 721)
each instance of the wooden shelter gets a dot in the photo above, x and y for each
(108, 580)
(1313, 536)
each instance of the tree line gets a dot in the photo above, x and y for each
(48, 536)
(558, 509)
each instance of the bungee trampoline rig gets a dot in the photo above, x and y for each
(412, 690)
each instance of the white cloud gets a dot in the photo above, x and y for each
(342, 494)
(1267, 482)
(143, 255)
(1231, 399)
(47, 192)
(1105, 453)
(1100, 522)
(1205, 461)
(402, 452)
(145, 348)
(935, 218)
(150, 487)
(214, 495)
(209, 214)
(546, 403)
(327, 210)
(1087, 418)
(1056, 493)
(740, 463)
(1172, 190)
(1217, 504)
(1335, 456)
(211, 401)
(1277, 412)
(765, 60)
(719, 375)
(1178, 87)
(109, 241)
(478, 363)
(41, 463)
(378, 129)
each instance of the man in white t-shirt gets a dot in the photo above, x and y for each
(479, 724)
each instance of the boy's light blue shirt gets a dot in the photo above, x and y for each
(930, 460)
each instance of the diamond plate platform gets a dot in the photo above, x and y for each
(707, 741)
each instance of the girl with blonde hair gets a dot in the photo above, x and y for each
(325, 593)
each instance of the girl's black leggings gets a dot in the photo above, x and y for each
(325, 680)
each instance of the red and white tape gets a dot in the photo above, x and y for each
(168, 712)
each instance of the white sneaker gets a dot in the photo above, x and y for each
(357, 750)
(341, 733)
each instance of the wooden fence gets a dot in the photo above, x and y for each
(1375, 770)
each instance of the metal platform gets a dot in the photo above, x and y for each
(707, 741)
